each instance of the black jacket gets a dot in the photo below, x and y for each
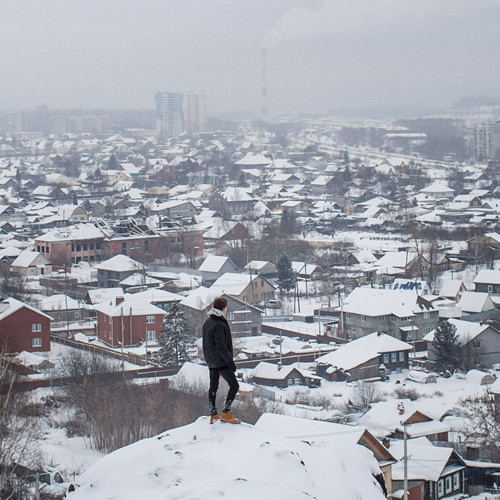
(217, 343)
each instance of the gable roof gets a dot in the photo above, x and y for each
(362, 350)
(214, 263)
(10, 305)
(120, 263)
(466, 331)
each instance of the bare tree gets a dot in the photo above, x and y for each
(484, 427)
(364, 394)
(19, 431)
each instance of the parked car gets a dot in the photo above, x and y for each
(273, 304)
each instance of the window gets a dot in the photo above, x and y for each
(456, 481)
(448, 484)
(440, 488)
(151, 334)
(347, 315)
(394, 357)
(36, 327)
(36, 342)
(150, 319)
(386, 358)
(77, 314)
(231, 316)
(381, 318)
(490, 288)
(401, 356)
(427, 314)
(363, 317)
(393, 318)
(476, 344)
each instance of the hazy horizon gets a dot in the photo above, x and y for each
(321, 55)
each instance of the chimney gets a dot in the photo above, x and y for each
(119, 300)
(472, 453)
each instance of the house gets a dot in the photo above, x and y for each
(261, 267)
(71, 244)
(484, 246)
(305, 271)
(475, 302)
(214, 266)
(407, 263)
(433, 472)
(29, 263)
(224, 235)
(99, 295)
(158, 297)
(386, 419)
(244, 287)
(438, 190)
(139, 281)
(63, 308)
(175, 209)
(363, 358)
(34, 361)
(401, 313)
(244, 319)
(23, 327)
(271, 374)
(488, 281)
(452, 289)
(232, 201)
(128, 322)
(477, 344)
(112, 271)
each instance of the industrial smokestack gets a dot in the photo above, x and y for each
(264, 84)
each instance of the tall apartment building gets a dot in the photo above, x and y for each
(195, 113)
(169, 116)
(486, 141)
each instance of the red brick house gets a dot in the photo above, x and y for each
(23, 327)
(128, 321)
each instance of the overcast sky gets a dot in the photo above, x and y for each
(321, 55)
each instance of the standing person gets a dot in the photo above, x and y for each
(218, 352)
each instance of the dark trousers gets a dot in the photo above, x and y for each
(229, 376)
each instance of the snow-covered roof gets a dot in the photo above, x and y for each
(427, 461)
(231, 283)
(465, 331)
(474, 302)
(156, 295)
(450, 288)
(139, 279)
(381, 302)
(120, 263)
(26, 258)
(10, 305)
(130, 306)
(213, 263)
(488, 276)
(76, 232)
(105, 295)
(59, 302)
(364, 349)
(200, 298)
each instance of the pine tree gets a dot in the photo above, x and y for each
(445, 345)
(174, 340)
(286, 276)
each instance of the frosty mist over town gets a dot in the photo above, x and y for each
(249, 250)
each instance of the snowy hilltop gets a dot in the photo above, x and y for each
(203, 461)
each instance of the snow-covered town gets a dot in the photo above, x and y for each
(282, 284)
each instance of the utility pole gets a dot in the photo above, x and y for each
(405, 461)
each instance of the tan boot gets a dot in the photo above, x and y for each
(227, 416)
(214, 418)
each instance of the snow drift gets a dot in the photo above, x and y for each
(203, 461)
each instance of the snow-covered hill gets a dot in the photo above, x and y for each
(203, 461)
